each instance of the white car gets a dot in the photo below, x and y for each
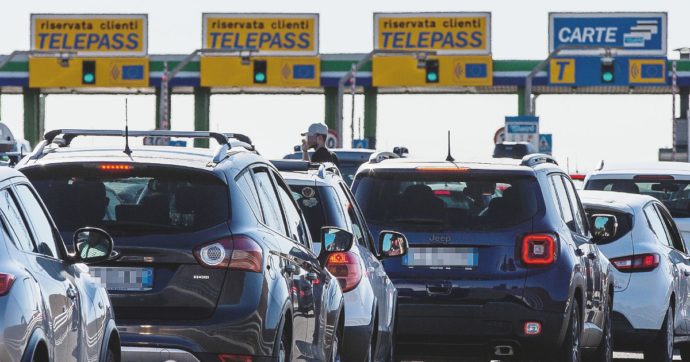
(669, 182)
(651, 310)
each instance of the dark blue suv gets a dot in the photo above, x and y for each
(501, 259)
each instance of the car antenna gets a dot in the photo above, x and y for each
(449, 158)
(127, 150)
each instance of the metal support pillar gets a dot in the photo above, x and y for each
(522, 93)
(158, 107)
(202, 121)
(33, 120)
(370, 113)
(331, 94)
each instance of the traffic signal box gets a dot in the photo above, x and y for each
(432, 71)
(268, 71)
(52, 72)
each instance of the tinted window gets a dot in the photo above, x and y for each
(657, 225)
(246, 186)
(309, 201)
(269, 201)
(674, 194)
(671, 229)
(563, 202)
(44, 237)
(577, 209)
(149, 199)
(625, 221)
(357, 228)
(441, 200)
(296, 228)
(334, 212)
(14, 218)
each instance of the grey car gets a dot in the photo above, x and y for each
(51, 309)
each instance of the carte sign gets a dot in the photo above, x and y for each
(445, 33)
(263, 34)
(627, 33)
(91, 34)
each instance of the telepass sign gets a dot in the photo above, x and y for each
(91, 34)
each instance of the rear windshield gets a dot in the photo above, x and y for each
(144, 199)
(674, 194)
(624, 219)
(447, 201)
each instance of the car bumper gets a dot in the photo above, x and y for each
(357, 340)
(645, 301)
(627, 338)
(477, 327)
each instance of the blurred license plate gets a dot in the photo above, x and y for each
(124, 279)
(440, 257)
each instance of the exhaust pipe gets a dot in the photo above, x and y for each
(503, 351)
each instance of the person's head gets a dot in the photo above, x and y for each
(395, 243)
(316, 135)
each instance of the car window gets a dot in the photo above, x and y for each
(579, 213)
(564, 202)
(248, 189)
(657, 225)
(9, 208)
(336, 217)
(358, 225)
(269, 201)
(296, 225)
(671, 229)
(44, 235)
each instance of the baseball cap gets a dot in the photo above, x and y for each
(316, 128)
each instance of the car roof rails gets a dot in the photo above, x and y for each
(305, 166)
(536, 159)
(64, 137)
(378, 157)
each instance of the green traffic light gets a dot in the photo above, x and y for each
(607, 77)
(260, 77)
(88, 78)
(431, 77)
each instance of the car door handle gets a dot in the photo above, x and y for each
(290, 269)
(686, 273)
(592, 256)
(71, 292)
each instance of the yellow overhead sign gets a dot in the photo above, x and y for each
(91, 34)
(562, 71)
(647, 71)
(48, 72)
(448, 71)
(445, 33)
(264, 34)
(260, 71)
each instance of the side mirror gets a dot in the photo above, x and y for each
(392, 244)
(604, 227)
(92, 245)
(334, 239)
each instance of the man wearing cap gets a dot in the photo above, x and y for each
(316, 138)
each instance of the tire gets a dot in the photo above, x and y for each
(604, 353)
(283, 348)
(661, 349)
(685, 352)
(336, 346)
(571, 350)
(111, 356)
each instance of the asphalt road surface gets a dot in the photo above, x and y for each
(618, 357)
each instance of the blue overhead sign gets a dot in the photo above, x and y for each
(629, 33)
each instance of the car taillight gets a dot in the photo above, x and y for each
(237, 253)
(642, 262)
(538, 249)
(6, 281)
(114, 167)
(234, 358)
(345, 266)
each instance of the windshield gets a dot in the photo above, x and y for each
(447, 201)
(142, 200)
(674, 194)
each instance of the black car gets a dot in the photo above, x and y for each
(51, 308)
(501, 261)
(370, 297)
(214, 257)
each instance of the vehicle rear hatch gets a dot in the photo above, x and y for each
(463, 228)
(157, 215)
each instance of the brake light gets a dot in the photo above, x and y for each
(653, 177)
(115, 167)
(237, 253)
(642, 262)
(6, 281)
(538, 249)
(345, 266)
(234, 358)
(577, 177)
(442, 192)
(442, 169)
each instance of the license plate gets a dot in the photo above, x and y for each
(442, 257)
(124, 279)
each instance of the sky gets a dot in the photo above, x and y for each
(586, 128)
